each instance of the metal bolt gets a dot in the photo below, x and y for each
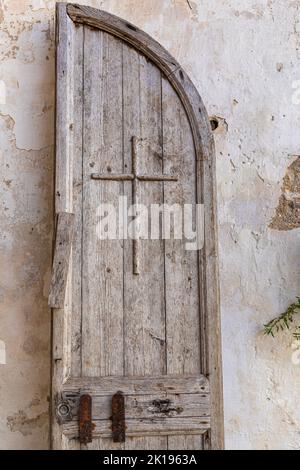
(64, 409)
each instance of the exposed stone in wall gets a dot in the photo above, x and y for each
(287, 215)
(218, 124)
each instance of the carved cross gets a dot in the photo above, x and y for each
(135, 178)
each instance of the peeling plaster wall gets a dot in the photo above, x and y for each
(243, 57)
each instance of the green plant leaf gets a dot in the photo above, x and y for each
(284, 321)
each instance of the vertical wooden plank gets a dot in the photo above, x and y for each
(193, 442)
(61, 261)
(64, 109)
(76, 129)
(182, 291)
(210, 311)
(92, 135)
(144, 309)
(181, 266)
(61, 354)
(144, 294)
(102, 265)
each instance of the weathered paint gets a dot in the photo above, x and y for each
(243, 57)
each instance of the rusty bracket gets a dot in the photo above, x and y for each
(85, 419)
(118, 417)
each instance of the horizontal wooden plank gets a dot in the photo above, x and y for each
(146, 427)
(63, 243)
(149, 406)
(138, 385)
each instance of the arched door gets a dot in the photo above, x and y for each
(136, 335)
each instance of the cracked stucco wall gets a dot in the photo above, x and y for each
(244, 57)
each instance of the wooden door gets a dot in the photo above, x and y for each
(136, 317)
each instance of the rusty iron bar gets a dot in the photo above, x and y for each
(158, 178)
(118, 417)
(112, 177)
(85, 419)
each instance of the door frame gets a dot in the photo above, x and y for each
(67, 16)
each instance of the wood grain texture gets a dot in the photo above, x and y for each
(102, 293)
(61, 357)
(144, 295)
(61, 260)
(73, 335)
(211, 344)
(144, 317)
(186, 442)
(162, 59)
(172, 405)
(147, 406)
(181, 265)
(205, 156)
(159, 428)
(102, 296)
(141, 385)
(145, 443)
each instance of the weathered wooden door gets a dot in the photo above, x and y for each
(136, 317)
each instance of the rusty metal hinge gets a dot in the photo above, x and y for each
(85, 419)
(118, 417)
(70, 406)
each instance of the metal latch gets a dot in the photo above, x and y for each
(118, 417)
